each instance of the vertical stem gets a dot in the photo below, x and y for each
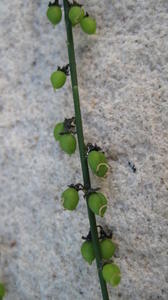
(82, 148)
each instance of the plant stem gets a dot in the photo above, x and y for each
(82, 148)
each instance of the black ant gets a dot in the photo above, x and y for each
(132, 166)
(69, 126)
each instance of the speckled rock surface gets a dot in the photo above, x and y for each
(123, 82)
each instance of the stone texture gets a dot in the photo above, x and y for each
(123, 87)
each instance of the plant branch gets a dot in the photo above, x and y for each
(82, 147)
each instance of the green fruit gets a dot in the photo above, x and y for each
(102, 167)
(70, 198)
(68, 143)
(57, 130)
(54, 14)
(115, 280)
(107, 248)
(88, 25)
(2, 290)
(76, 14)
(97, 203)
(111, 273)
(58, 79)
(98, 163)
(88, 252)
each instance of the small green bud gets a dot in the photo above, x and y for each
(57, 130)
(54, 14)
(111, 274)
(88, 251)
(76, 14)
(58, 79)
(107, 248)
(68, 143)
(97, 203)
(88, 25)
(70, 198)
(2, 290)
(98, 163)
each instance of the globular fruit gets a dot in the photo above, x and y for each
(111, 274)
(76, 14)
(68, 143)
(58, 79)
(107, 248)
(57, 130)
(98, 163)
(70, 198)
(88, 251)
(97, 203)
(88, 25)
(2, 290)
(54, 14)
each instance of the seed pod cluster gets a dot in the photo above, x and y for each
(77, 15)
(107, 248)
(66, 140)
(111, 272)
(97, 161)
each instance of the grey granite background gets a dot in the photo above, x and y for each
(123, 80)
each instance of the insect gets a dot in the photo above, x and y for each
(13, 244)
(69, 125)
(132, 166)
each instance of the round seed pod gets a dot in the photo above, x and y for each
(2, 290)
(57, 130)
(54, 14)
(58, 79)
(68, 143)
(97, 203)
(107, 248)
(111, 274)
(98, 163)
(102, 167)
(115, 280)
(88, 251)
(70, 198)
(76, 14)
(88, 25)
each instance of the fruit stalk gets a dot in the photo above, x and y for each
(82, 148)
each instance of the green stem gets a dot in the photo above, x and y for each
(82, 148)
